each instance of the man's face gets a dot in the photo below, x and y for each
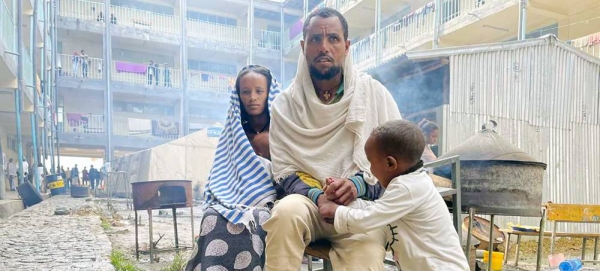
(325, 47)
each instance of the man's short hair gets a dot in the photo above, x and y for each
(325, 12)
(401, 139)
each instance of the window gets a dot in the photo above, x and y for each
(194, 15)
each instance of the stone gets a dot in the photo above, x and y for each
(62, 211)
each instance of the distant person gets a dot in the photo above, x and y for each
(68, 179)
(93, 176)
(113, 19)
(150, 72)
(167, 73)
(84, 63)
(86, 176)
(75, 174)
(12, 174)
(418, 226)
(25, 171)
(430, 132)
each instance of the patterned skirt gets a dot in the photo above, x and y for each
(224, 246)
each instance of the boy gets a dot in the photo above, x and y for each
(421, 235)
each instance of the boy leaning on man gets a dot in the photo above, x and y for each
(420, 232)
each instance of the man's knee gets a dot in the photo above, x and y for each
(292, 208)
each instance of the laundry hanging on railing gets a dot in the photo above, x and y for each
(131, 67)
(165, 128)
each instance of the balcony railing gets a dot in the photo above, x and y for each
(94, 124)
(589, 44)
(81, 9)
(78, 66)
(94, 11)
(201, 81)
(138, 74)
(418, 25)
(146, 19)
(122, 71)
(27, 67)
(8, 31)
(269, 40)
(218, 32)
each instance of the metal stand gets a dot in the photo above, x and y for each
(151, 250)
(117, 178)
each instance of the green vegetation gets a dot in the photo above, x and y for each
(177, 264)
(121, 263)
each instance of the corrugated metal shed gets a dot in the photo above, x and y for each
(545, 96)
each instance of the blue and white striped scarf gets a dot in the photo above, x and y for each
(238, 182)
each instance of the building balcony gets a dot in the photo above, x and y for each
(127, 22)
(8, 43)
(133, 78)
(208, 35)
(268, 44)
(88, 131)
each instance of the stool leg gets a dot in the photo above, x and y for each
(175, 228)
(517, 248)
(137, 247)
(151, 243)
(506, 247)
(583, 249)
(553, 238)
(538, 264)
(596, 249)
(309, 258)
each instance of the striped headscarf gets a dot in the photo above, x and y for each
(238, 182)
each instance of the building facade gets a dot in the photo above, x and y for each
(170, 65)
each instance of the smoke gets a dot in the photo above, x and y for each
(416, 88)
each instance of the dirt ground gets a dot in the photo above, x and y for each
(120, 227)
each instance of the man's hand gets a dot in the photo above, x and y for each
(327, 210)
(340, 191)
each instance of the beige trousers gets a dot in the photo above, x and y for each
(295, 222)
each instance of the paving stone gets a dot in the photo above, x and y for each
(37, 239)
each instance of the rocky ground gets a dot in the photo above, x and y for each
(37, 239)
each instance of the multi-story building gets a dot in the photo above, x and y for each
(20, 84)
(164, 83)
(197, 47)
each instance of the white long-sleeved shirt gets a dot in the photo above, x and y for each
(425, 237)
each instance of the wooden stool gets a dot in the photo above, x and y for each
(319, 249)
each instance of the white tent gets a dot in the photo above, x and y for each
(186, 158)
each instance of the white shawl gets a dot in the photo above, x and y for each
(327, 140)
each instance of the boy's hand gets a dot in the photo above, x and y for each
(327, 210)
(341, 191)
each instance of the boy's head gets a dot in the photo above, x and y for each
(393, 148)
(260, 144)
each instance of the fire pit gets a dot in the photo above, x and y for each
(154, 195)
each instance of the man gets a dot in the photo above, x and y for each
(25, 171)
(318, 131)
(75, 175)
(12, 174)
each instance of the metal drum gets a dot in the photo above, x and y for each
(56, 184)
(498, 178)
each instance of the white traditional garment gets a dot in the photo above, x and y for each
(239, 180)
(327, 140)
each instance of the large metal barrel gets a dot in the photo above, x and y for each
(80, 191)
(496, 177)
(56, 184)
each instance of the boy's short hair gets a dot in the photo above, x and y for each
(401, 139)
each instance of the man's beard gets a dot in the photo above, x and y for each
(327, 75)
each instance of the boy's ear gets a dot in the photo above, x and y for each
(392, 164)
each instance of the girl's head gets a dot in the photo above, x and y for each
(252, 86)
(430, 131)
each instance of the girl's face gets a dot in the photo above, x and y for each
(254, 93)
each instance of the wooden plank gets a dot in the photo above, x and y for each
(573, 212)
(446, 191)
(549, 233)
